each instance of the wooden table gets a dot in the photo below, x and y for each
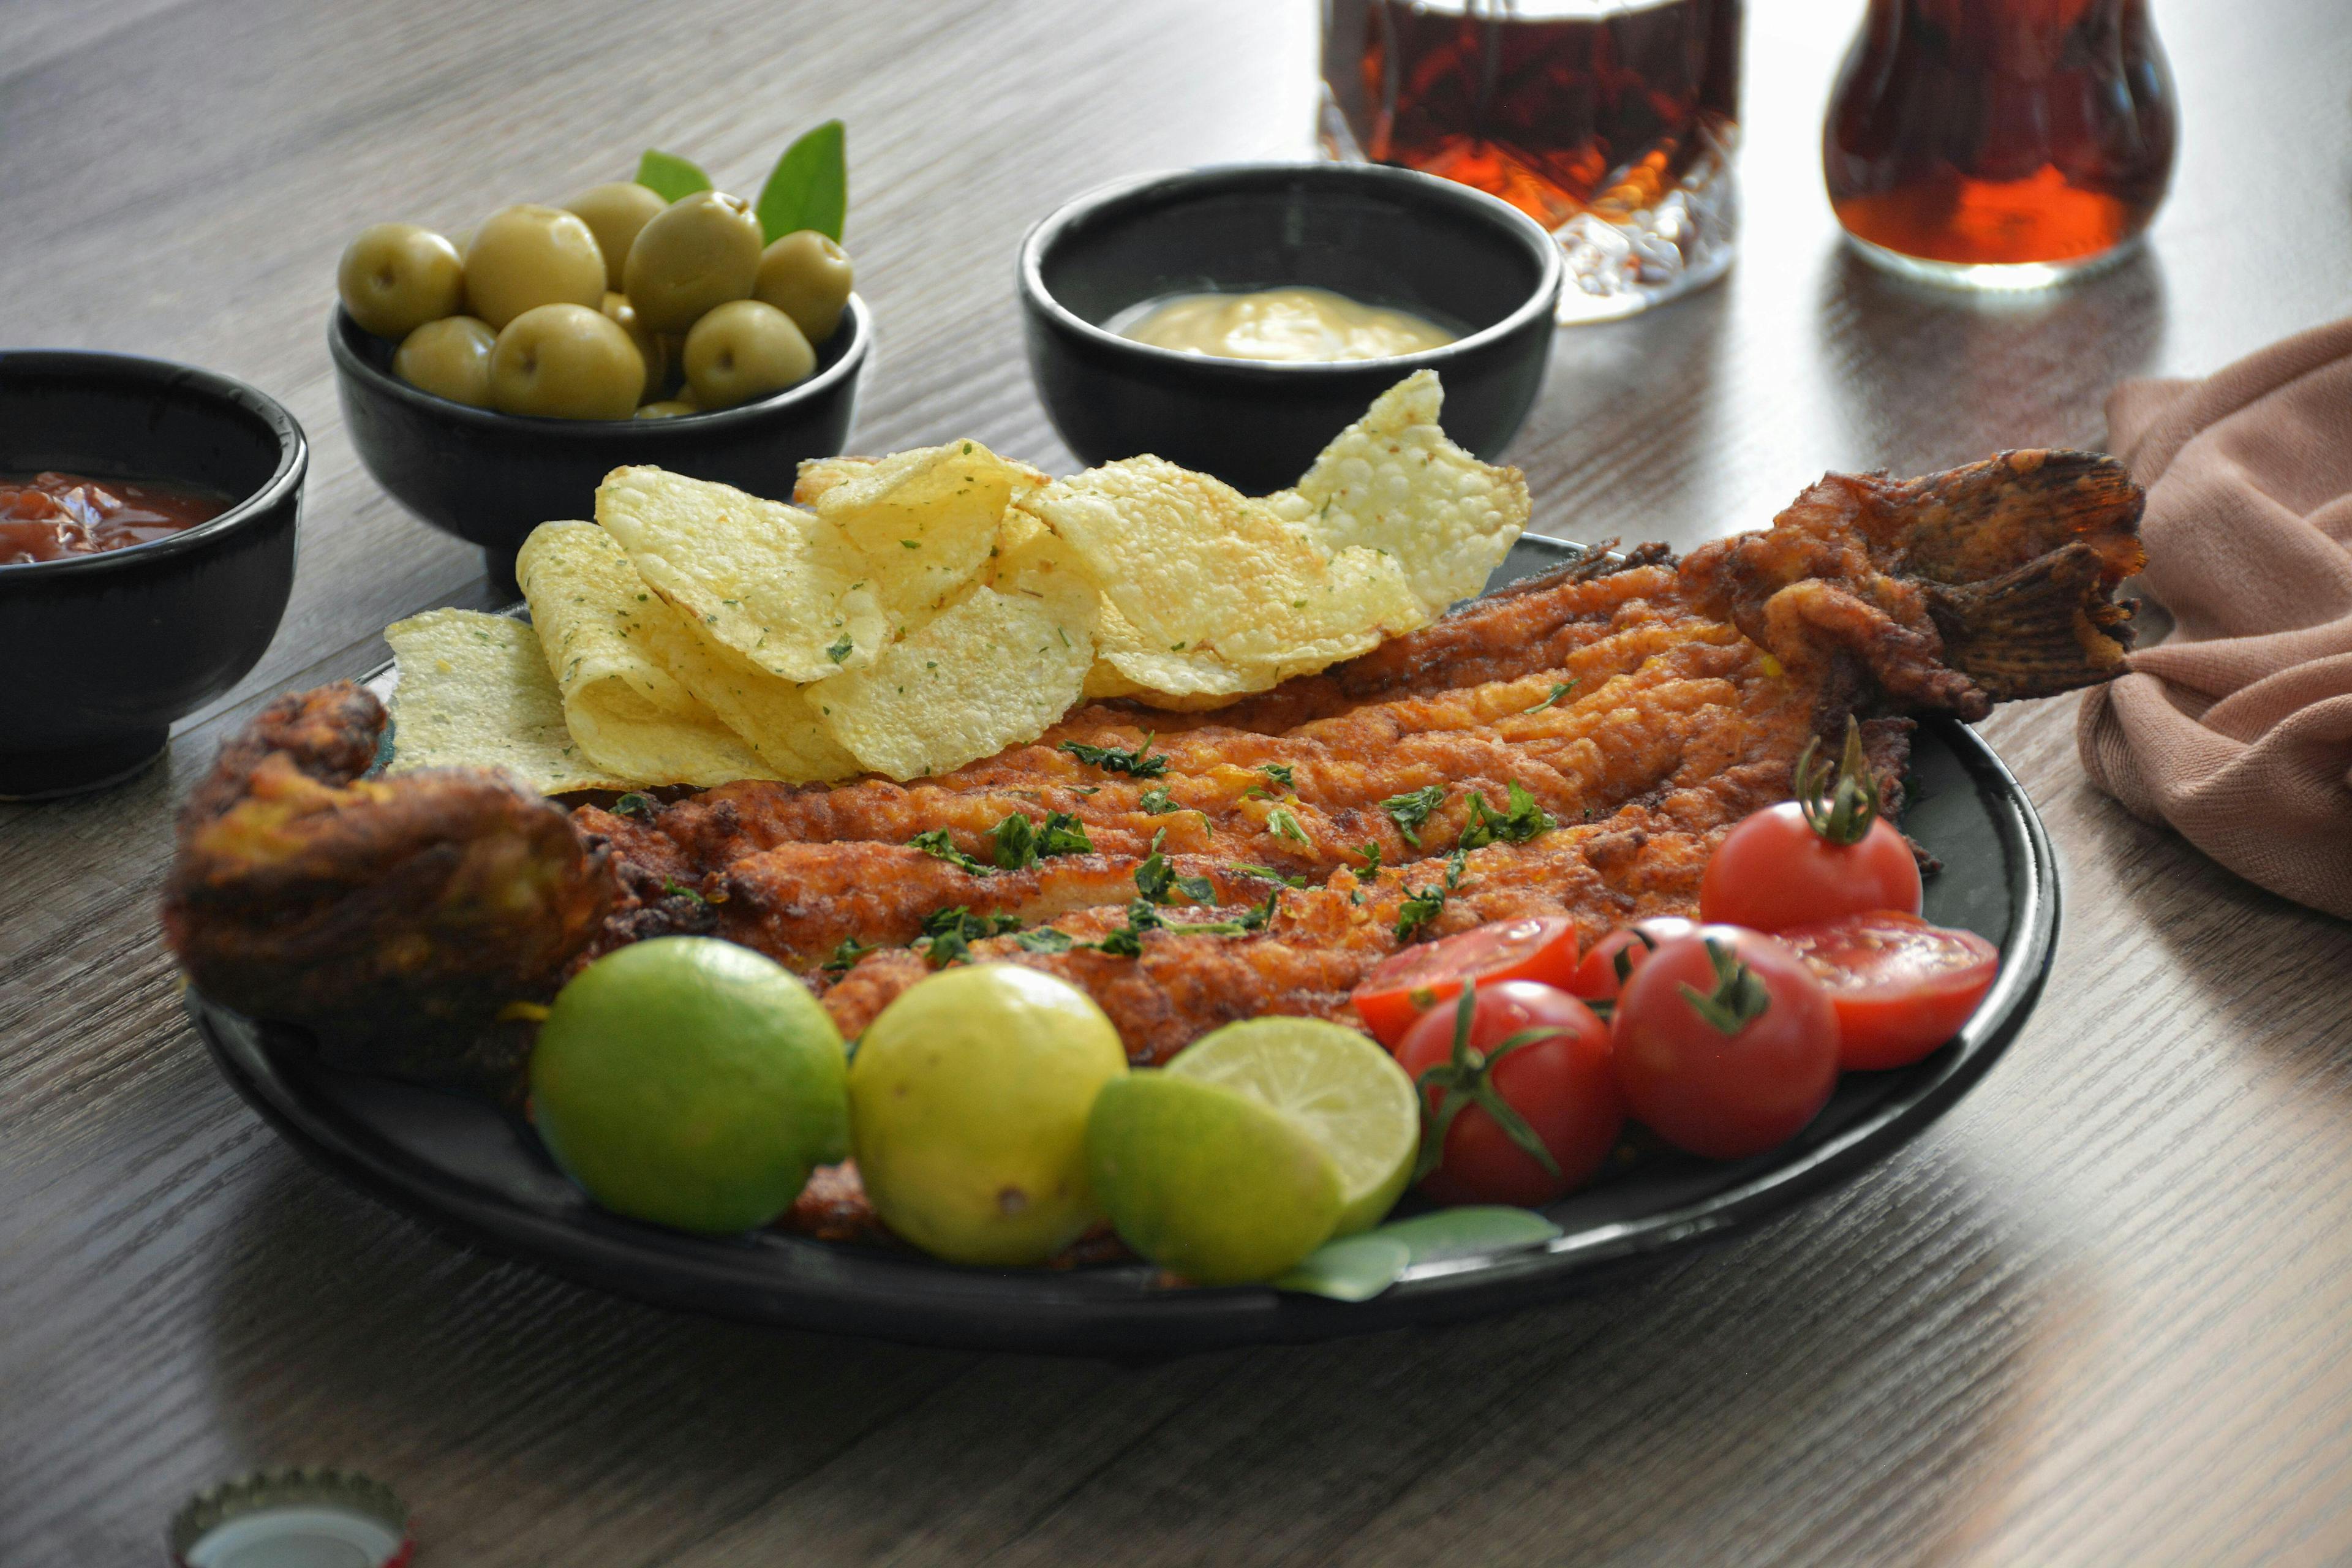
(2102, 1313)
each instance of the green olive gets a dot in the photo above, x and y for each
(396, 276)
(614, 213)
(651, 348)
(696, 254)
(526, 257)
(808, 278)
(448, 357)
(566, 362)
(668, 408)
(745, 350)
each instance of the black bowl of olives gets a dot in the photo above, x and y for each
(491, 391)
(1325, 285)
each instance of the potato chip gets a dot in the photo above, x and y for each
(629, 714)
(818, 475)
(764, 579)
(1138, 667)
(993, 670)
(923, 522)
(774, 717)
(1195, 566)
(1393, 483)
(474, 691)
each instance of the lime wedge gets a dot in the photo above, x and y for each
(1340, 1086)
(1206, 1181)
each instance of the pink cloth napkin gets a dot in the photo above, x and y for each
(2236, 729)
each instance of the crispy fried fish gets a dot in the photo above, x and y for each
(1575, 743)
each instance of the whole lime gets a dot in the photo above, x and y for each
(968, 1102)
(691, 1082)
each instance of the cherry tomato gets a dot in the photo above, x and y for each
(1774, 872)
(1611, 962)
(1408, 984)
(1558, 1087)
(1741, 1068)
(1901, 986)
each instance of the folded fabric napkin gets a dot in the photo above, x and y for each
(2236, 729)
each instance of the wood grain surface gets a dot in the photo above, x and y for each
(2101, 1314)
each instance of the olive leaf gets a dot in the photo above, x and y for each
(670, 176)
(1358, 1267)
(808, 188)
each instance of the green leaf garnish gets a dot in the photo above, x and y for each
(1157, 802)
(1279, 773)
(1044, 939)
(1352, 1268)
(1468, 1231)
(809, 186)
(1421, 907)
(949, 933)
(847, 954)
(670, 176)
(1282, 825)
(840, 650)
(1523, 821)
(1559, 689)
(634, 805)
(1268, 874)
(1410, 810)
(940, 847)
(1119, 759)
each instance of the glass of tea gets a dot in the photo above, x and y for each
(1611, 122)
(1999, 143)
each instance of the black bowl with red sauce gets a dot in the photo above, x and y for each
(117, 620)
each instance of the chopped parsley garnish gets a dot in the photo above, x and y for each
(673, 888)
(846, 956)
(840, 650)
(1282, 825)
(1279, 773)
(1410, 810)
(1269, 874)
(1522, 822)
(634, 805)
(1371, 854)
(940, 847)
(1157, 881)
(1044, 939)
(949, 933)
(1423, 906)
(1559, 689)
(1158, 802)
(1118, 760)
(1020, 842)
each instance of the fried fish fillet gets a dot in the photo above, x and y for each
(1637, 706)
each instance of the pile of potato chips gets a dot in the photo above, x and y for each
(921, 611)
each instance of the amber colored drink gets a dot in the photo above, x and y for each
(1970, 134)
(1622, 111)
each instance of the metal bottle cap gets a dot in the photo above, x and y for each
(292, 1518)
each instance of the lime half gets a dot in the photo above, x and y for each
(1345, 1090)
(1205, 1180)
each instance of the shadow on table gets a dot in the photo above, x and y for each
(1929, 377)
(1884, 1333)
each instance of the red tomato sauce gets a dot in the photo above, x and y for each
(50, 516)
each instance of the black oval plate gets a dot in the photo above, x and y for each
(480, 1176)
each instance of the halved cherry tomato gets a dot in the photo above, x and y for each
(1774, 871)
(1603, 971)
(1408, 984)
(1538, 1053)
(1725, 1044)
(1901, 987)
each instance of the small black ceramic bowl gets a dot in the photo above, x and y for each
(1378, 235)
(491, 478)
(98, 653)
